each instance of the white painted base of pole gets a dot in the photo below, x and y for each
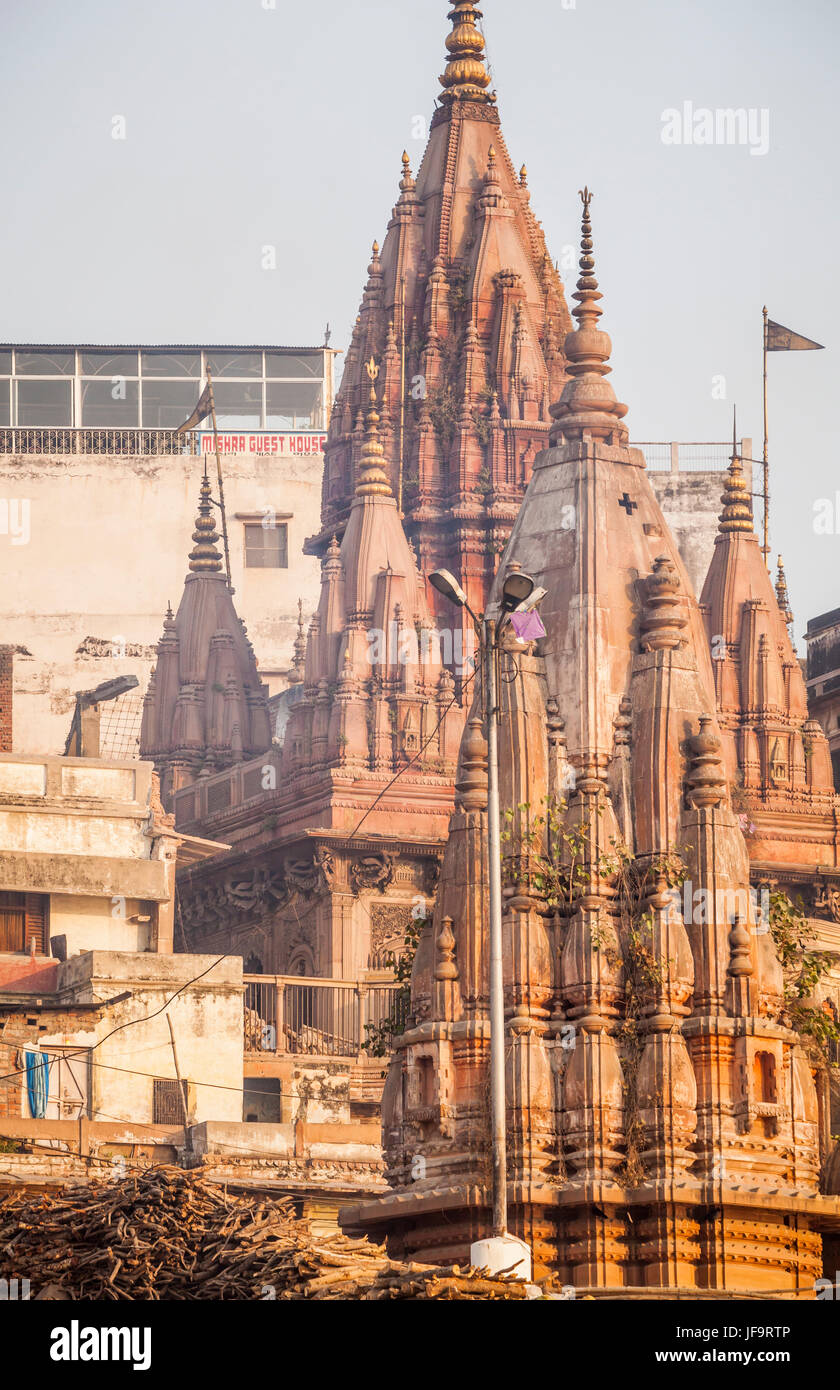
(500, 1253)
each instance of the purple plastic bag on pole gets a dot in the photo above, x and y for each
(527, 626)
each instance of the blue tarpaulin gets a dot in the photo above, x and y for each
(37, 1083)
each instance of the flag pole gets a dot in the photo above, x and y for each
(221, 484)
(765, 464)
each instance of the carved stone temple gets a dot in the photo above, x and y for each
(465, 310)
(664, 1132)
(336, 835)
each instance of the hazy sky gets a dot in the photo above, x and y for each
(248, 126)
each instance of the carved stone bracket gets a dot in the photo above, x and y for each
(373, 871)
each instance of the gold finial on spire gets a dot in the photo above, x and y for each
(204, 557)
(407, 180)
(373, 480)
(465, 76)
(588, 408)
(523, 177)
(782, 593)
(737, 507)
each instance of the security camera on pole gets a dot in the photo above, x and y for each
(519, 598)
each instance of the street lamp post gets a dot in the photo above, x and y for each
(516, 590)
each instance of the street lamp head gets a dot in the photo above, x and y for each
(516, 589)
(533, 600)
(447, 584)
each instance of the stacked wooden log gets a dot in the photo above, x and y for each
(164, 1233)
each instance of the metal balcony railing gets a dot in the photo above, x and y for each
(674, 457)
(97, 441)
(313, 1017)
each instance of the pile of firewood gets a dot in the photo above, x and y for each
(166, 1234)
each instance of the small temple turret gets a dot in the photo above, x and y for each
(776, 756)
(205, 707)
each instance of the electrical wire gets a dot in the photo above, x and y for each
(85, 1051)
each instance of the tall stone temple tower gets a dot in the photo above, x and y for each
(465, 310)
(662, 1121)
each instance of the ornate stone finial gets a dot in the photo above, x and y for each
(471, 781)
(782, 593)
(332, 559)
(663, 618)
(706, 780)
(204, 557)
(375, 267)
(466, 76)
(588, 407)
(737, 508)
(407, 181)
(523, 177)
(445, 967)
(298, 670)
(373, 480)
(491, 195)
(740, 959)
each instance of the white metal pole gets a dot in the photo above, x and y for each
(497, 1003)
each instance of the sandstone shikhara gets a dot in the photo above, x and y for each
(662, 1118)
(465, 283)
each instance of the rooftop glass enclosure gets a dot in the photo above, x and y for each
(260, 388)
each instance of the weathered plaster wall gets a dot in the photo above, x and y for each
(78, 831)
(100, 924)
(206, 1020)
(691, 504)
(110, 575)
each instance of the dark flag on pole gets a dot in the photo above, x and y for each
(781, 339)
(202, 410)
(777, 338)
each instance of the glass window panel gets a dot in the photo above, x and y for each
(235, 363)
(167, 404)
(45, 403)
(44, 363)
(6, 363)
(285, 364)
(109, 364)
(266, 547)
(177, 364)
(238, 406)
(5, 402)
(293, 405)
(110, 404)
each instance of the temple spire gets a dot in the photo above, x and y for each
(407, 183)
(298, 670)
(465, 75)
(588, 407)
(373, 480)
(782, 594)
(737, 508)
(204, 557)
